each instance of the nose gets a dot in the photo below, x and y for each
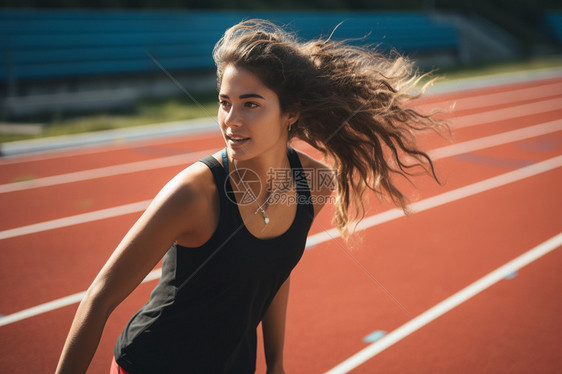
(233, 118)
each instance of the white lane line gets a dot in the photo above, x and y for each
(495, 140)
(328, 235)
(76, 220)
(446, 305)
(60, 303)
(503, 80)
(498, 98)
(512, 112)
(131, 167)
(438, 153)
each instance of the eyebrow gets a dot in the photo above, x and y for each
(245, 96)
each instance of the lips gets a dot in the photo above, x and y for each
(236, 138)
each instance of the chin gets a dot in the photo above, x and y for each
(239, 153)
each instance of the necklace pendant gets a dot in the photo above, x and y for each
(265, 217)
(263, 213)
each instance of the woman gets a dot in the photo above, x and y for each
(229, 228)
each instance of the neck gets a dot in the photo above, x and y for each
(265, 163)
(270, 169)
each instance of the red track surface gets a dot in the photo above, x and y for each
(512, 327)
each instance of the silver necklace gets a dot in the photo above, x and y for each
(248, 191)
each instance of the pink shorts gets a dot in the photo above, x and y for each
(116, 369)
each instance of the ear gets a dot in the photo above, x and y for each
(292, 117)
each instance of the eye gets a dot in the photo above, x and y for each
(251, 105)
(224, 104)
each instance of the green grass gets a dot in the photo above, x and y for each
(487, 69)
(181, 108)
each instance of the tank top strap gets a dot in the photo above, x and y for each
(225, 160)
(220, 177)
(299, 176)
(216, 168)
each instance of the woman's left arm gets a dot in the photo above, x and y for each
(273, 327)
(273, 323)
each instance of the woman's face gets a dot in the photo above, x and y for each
(250, 116)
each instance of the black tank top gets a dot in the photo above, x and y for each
(203, 314)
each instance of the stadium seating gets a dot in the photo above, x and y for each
(60, 44)
(553, 26)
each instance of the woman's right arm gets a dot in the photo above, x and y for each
(169, 216)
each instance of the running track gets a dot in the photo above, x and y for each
(470, 283)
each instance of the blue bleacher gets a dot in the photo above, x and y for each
(553, 25)
(46, 44)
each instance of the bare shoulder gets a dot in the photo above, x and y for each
(309, 162)
(191, 184)
(197, 178)
(321, 180)
(188, 204)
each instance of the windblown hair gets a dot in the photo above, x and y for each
(352, 104)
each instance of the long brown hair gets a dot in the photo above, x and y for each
(352, 104)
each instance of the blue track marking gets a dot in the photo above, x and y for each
(539, 144)
(374, 336)
(511, 275)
